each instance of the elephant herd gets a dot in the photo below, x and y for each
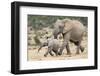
(71, 30)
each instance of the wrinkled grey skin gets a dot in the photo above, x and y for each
(53, 46)
(72, 30)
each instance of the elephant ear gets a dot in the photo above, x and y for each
(67, 25)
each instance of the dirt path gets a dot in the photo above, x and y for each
(34, 55)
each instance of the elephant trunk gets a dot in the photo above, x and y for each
(55, 33)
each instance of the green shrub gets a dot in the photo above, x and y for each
(37, 41)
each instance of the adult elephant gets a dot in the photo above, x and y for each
(72, 30)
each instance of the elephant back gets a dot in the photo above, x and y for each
(78, 26)
(77, 30)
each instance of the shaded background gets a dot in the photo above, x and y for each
(40, 21)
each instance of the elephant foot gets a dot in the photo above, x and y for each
(59, 53)
(82, 49)
(77, 53)
(69, 53)
(51, 54)
(45, 55)
(56, 54)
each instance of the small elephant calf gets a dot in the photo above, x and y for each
(53, 45)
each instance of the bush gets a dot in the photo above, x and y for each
(39, 21)
(37, 41)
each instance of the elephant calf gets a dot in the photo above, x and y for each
(53, 46)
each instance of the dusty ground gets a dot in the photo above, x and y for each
(33, 54)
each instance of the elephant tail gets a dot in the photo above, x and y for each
(43, 45)
(39, 49)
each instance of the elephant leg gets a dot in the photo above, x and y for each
(78, 47)
(56, 52)
(48, 51)
(81, 47)
(51, 53)
(68, 49)
(61, 49)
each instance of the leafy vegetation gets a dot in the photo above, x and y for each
(37, 41)
(40, 21)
